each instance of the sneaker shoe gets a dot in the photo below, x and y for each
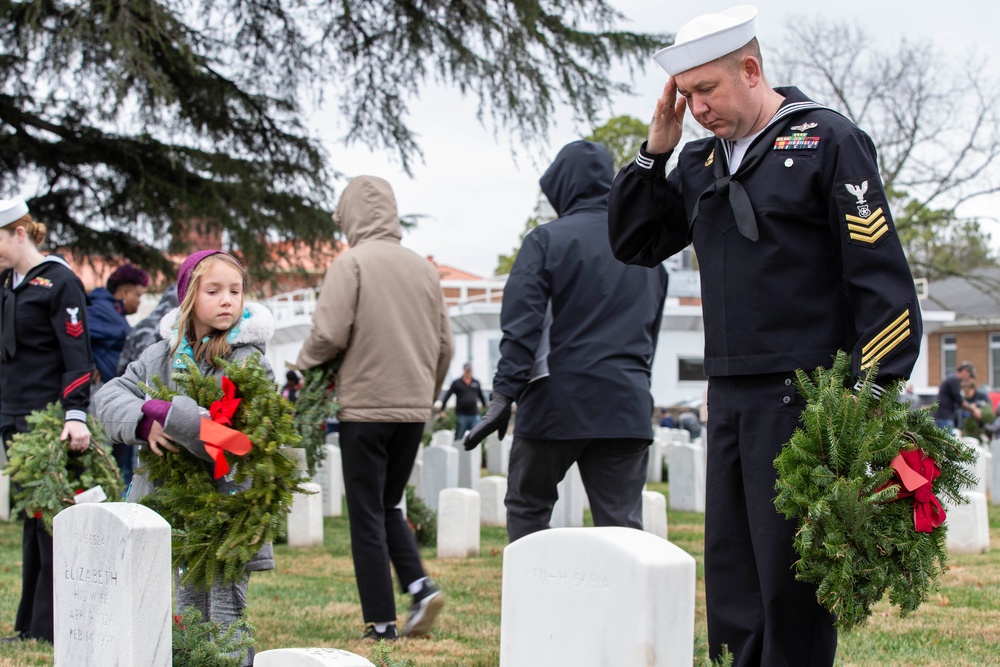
(390, 634)
(19, 637)
(427, 604)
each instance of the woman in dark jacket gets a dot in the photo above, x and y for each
(45, 357)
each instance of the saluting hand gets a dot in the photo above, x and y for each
(668, 120)
(78, 435)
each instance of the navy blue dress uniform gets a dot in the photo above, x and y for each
(45, 357)
(799, 258)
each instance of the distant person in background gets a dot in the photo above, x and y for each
(107, 310)
(292, 385)
(468, 397)
(108, 332)
(909, 397)
(145, 334)
(667, 419)
(950, 399)
(689, 422)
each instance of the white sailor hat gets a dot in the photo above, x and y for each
(707, 37)
(11, 210)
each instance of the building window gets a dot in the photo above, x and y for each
(690, 369)
(994, 368)
(949, 353)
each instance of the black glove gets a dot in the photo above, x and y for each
(497, 418)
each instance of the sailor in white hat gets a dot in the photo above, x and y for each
(798, 258)
(45, 357)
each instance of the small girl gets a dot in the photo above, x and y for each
(212, 321)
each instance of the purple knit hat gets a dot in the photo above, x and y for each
(188, 266)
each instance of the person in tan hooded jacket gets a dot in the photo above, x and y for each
(381, 316)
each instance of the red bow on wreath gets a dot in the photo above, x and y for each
(915, 471)
(217, 435)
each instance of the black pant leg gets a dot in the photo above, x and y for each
(536, 467)
(754, 603)
(402, 544)
(614, 473)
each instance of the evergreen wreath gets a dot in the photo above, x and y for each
(216, 535)
(200, 643)
(47, 476)
(316, 402)
(860, 532)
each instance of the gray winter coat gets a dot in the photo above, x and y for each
(118, 404)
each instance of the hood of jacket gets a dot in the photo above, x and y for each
(256, 328)
(367, 211)
(579, 178)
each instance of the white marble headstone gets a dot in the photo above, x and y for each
(596, 596)
(305, 520)
(968, 526)
(443, 438)
(330, 477)
(686, 467)
(654, 467)
(440, 472)
(298, 454)
(470, 465)
(568, 510)
(978, 469)
(332, 438)
(458, 524)
(995, 475)
(654, 513)
(4, 497)
(416, 479)
(112, 586)
(309, 657)
(492, 491)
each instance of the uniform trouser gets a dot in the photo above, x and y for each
(613, 473)
(34, 613)
(377, 460)
(223, 604)
(754, 604)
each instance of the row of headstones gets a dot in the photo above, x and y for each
(593, 596)
(461, 513)
(969, 524)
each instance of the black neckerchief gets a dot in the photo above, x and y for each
(732, 189)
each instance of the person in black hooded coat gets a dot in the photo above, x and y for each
(579, 332)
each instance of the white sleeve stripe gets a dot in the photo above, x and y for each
(76, 415)
(643, 162)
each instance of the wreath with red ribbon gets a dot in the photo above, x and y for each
(215, 534)
(864, 477)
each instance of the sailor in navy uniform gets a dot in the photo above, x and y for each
(799, 258)
(44, 357)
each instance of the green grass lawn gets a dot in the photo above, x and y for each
(311, 600)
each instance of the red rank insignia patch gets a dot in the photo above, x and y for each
(74, 327)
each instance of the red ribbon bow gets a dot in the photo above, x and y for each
(915, 471)
(217, 435)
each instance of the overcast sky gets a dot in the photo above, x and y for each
(477, 195)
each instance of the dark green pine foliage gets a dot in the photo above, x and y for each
(215, 535)
(47, 476)
(139, 118)
(200, 643)
(316, 401)
(856, 542)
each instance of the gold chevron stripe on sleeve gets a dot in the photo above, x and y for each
(886, 340)
(867, 230)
